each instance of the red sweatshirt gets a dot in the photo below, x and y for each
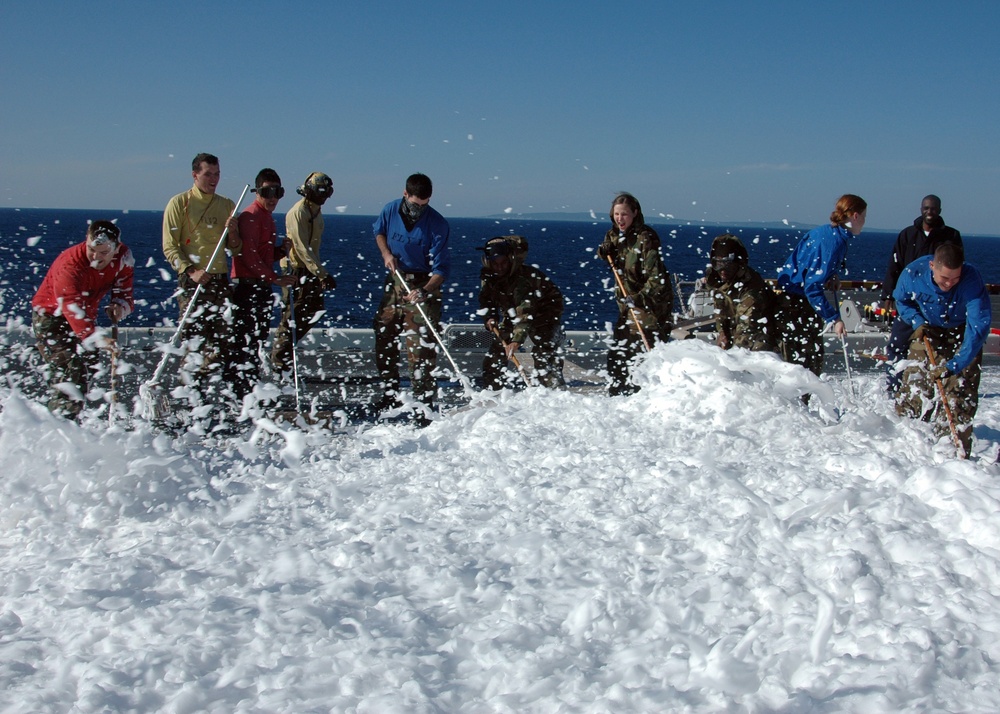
(74, 290)
(259, 235)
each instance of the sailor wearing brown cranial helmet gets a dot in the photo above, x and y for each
(304, 230)
(727, 254)
(744, 303)
(517, 303)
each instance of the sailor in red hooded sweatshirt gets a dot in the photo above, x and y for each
(64, 311)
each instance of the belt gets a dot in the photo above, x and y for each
(211, 276)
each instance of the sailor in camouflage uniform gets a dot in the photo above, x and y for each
(521, 302)
(634, 249)
(944, 299)
(744, 303)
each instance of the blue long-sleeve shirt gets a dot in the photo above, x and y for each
(920, 301)
(423, 248)
(816, 259)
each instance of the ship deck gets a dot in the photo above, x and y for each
(336, 366)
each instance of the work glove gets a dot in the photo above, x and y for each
(603, 251)
(106, 343)
(939, 371)
(115, 312)
(918, 335)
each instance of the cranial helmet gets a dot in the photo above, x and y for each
(728, 248)
(516, 247)
(317, 188)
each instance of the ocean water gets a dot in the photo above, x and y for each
(30, 239)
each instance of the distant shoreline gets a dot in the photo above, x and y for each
(578, 217)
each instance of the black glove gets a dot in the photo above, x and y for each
(328, 282)
(603, 251)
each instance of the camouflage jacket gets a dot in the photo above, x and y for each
(744, 309)
(527, 299)
(636, 257)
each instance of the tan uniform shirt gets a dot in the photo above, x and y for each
(193, 223)
(304, 229)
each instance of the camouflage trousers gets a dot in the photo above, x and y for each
(67, 363)
(801, 330)
(208, 364)
(626, 345)
(396, 318)
(308, 296)
(918, 396)
(546, 353)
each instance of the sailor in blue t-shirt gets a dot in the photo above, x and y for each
(413, 240)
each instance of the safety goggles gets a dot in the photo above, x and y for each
(103, 236)
(497, 250)
(269, 192)
(723, 263)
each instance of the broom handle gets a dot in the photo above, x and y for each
(114, 370)
(635, 318)
(944, 401)
(420, 309)
(513, 358)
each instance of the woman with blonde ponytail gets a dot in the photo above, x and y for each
(817, 258)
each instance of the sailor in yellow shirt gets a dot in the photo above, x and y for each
(304, 230)
(193, 223)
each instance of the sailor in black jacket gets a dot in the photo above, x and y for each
(922, 238)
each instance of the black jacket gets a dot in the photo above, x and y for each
(912, 244)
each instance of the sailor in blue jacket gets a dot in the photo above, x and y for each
(816, 259)
(944, 300)
(413, 240)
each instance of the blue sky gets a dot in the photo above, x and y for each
(718, 111)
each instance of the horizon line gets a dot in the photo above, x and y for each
(566, 216)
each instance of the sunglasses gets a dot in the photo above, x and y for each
(271, 191)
